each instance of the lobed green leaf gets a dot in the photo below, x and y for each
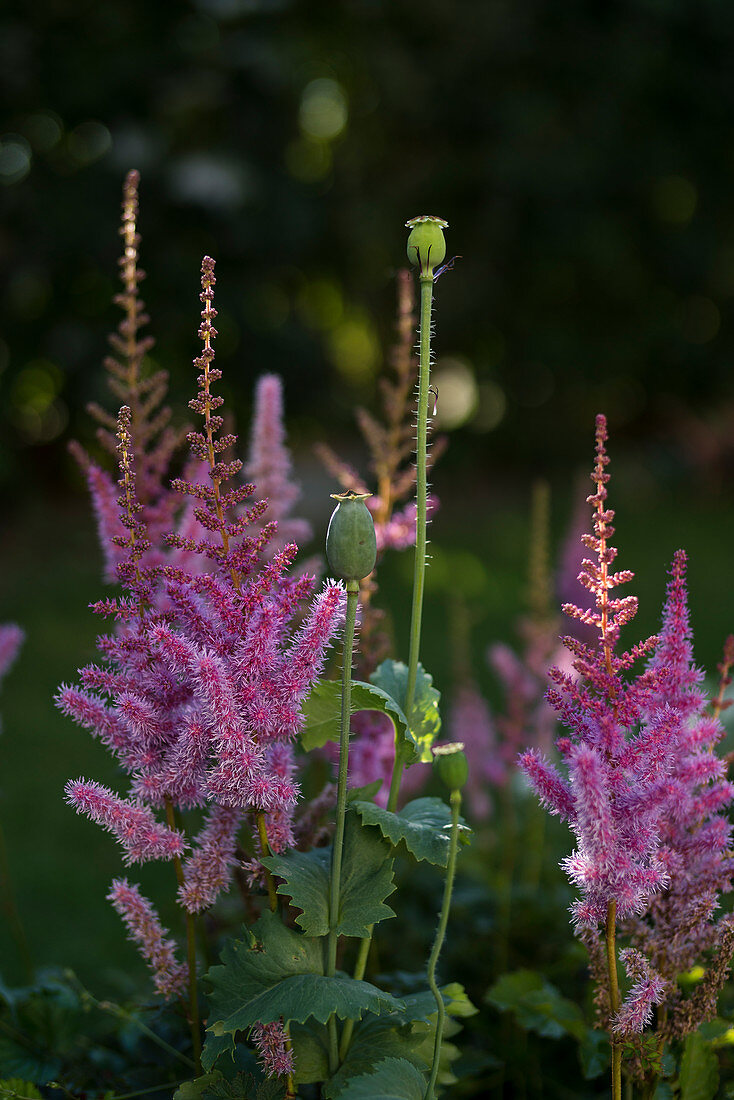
(367, 879)
(277, 973)
(392, 1079)
(423, 825)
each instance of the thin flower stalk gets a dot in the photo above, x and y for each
(341, 806)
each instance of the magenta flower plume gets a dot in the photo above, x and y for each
(11, 639)
(648, 988)
(142, 837)
(269, 466)
(145, 930)
(618, 755)
(271, 1044)
(679, 925)
(208, 871)
(470, 722)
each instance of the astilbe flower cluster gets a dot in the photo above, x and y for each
(623, 743)
(678, 927)
(11, 639)
(154, 440)
(198, 694)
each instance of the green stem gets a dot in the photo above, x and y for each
(421, 489)
(360, 967)
(262, 832)
(438, 941)
(419, 572)
(341, 809)
(611, 929)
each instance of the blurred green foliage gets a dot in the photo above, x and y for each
(581, 153)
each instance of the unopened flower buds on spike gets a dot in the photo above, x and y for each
(426, 244)
(351, 547)
(451, 765)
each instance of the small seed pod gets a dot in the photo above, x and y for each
(351, 547)
(426, 245)
(451, 765)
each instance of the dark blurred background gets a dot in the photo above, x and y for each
(583, 154)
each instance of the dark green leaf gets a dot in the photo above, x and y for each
(322, 711)
(281, 975)
(241, 1086)
(26, 1061)
(375, 1039)
(424, 826)
(699, 1069)
(310, 1052)
(537, 1004)
(424, 721)
(368, 791)
(393, 1079)
(367, 879)
(594, 1053)
(14, 1087)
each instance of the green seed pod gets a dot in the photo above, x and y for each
(426, 245)
(350, 540)
(451, 765)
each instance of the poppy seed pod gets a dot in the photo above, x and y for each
(351, 547)
(451, 765)
(426, 244)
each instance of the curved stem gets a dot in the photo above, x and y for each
(611, 929)
(438, 941)
(341, 808)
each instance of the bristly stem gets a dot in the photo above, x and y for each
(190, 955)
(611, 930)
(419, 569)
(262, 832)
(341, 807)
(439, 938)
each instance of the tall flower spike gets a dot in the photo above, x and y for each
(230, 550)
(618, 755)
(269, 464)
(153, 440)
(145, 930)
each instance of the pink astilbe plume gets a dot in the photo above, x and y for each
(153, 440)
(271, 1044)
(617, 755)
(142, 837)
(470, 722)
(11, 639)
(145, 930)
(199, 690)
(679, 926)
(647, 989)
(268, 466)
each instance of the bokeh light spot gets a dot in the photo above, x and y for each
(674, 199)
(701, 319)
(44, 130)
(320, 304)
(354, 348)
(323, 112)
(457, 392)
(492, 406)
(87, 142)
(15, 159)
